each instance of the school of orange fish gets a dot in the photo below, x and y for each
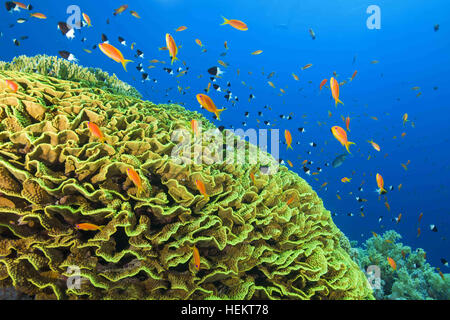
(206, 102)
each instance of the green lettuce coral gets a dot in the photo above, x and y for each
(66, 70)
(265, 236)
(413, 279)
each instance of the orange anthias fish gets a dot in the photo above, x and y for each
(114, 53)
(252, 176)
(380, 184)
(182, 28)
(353, 75)
(399, 217)
(88, 227)
(201, 187)
(405, 118)
(334, 86)
(225, 45)
(87, 20)
(173, 49)
(135, 14)
(38, 15)
(120, 9)
(341, 136)
(134, 176)
(324, 81)
(23, 6)
(12, 85)
(207, 103)
(420, 216)
(347, 123)
(194, 126)
(257, 52)
(346, 180)
(418, 232)
(309, 65)
(295, 77)
(288, 137)
(199, 42)
(291, 199)
(237, 24)
(96, 132)
(392, 263)
(196, 257)
(374, 145)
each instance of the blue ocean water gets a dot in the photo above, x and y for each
(410, 53)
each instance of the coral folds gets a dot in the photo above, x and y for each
(55, 174)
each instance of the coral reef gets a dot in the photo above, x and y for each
(413, 279)
(54, 174)
(66, 70)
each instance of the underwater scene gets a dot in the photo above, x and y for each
(224, 150)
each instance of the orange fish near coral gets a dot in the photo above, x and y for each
(201, 187)
(347, 123)
(346, 180)
(173, 49)
(288, 137)
(207, 103)
(341, 136)
(324, 81)
(196, 257)
(135, 14)
(334, 86)
(392, 263)
(12, 85)
(114, 53)
(182, 28)
(194, 126)
(87, 227)
(418, 232)
(380, 184)
(95, 131)
(237, 24)
(405, 118)
(134, 176)
(353, 75)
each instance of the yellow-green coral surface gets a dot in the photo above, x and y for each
(54, 174)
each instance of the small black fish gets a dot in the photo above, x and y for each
(313, 144)
(104, 38)
(215, 71)
(67, 55)
(216, 87)
(436, 27)
(16, 42)
(433, 228)
(122, 41)
(302, 130)
(307, 171)
(139, 54)
(444, 262)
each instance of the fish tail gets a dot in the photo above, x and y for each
(225, 21)
(339, 101)
(125, 62)
(174, 59)
(289, 147)
(219, 112)
(348, 145)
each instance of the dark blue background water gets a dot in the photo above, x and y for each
(409, 51)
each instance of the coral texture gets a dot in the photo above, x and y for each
(66, 70)
(413, 279)
(55, 174)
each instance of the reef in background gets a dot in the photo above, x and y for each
(414, 278)
(267, 237)
(65, 70)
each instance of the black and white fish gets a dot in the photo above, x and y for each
(216, 87)
(444, 262)
(168, 70)
(139, 54)
(66, 30)
(16, 42)
(215, 71)
(302, 130)
(251, 97)
(68, 56)
(433, 228)
(145, 77)
(140, 68)
(84, 39)
(105, 38)
(307, 171)
(313, 144)
(246, 114)
(21, 20)
(122, 41)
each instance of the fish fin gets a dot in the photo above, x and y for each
(348, 144)
(125, 62)
(289, 147)
(225, 21)
(218, 112)
(174, 59)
